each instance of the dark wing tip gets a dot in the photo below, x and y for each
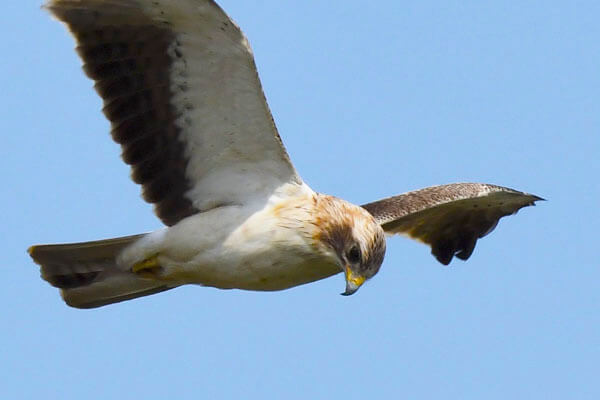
(536, 198)
(460, 238)
(449, 218)
(127, 54)
(460, 245)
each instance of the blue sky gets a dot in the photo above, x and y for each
(372, 99)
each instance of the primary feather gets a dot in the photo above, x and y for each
(450, 218)
(181, 91)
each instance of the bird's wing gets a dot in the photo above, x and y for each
(182, 93)
(449, 218)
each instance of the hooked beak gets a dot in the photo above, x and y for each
(353, 282)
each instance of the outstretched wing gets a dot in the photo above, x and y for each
(182, 93)
(449, 218)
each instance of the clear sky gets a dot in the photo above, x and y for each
(372, 99)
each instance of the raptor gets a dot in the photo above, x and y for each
(182, 94)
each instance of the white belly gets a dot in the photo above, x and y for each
(233, 247)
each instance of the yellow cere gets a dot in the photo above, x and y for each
(357, 280)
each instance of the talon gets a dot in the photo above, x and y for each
(148, 266)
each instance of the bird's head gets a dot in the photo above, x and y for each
(353, 237)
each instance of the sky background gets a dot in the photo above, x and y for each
(371, 99)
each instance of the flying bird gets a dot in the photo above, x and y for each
(182, 94)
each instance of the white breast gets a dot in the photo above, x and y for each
(247, 247)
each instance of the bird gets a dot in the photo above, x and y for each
(181, 91)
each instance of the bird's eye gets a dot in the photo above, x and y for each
(353, 255)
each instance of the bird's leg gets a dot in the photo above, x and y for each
(148, 268)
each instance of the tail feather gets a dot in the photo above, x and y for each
(88, 275)
(113, 289)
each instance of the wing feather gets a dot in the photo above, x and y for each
(449, 218)
(183, 96)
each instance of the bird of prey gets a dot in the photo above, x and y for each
(182, 94)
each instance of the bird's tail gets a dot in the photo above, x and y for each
(88, 275)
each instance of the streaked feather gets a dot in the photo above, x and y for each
(450, 218)
(183, 96)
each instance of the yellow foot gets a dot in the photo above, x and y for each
(148, 267)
